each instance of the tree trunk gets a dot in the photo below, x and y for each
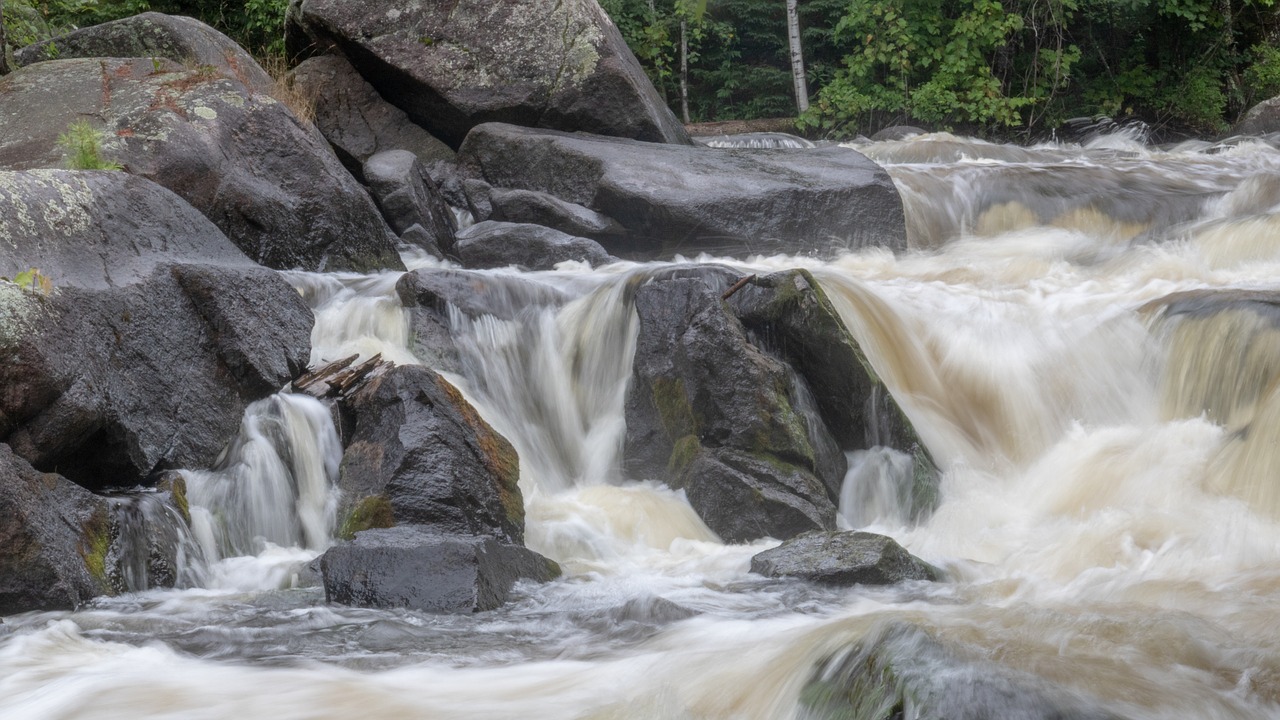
(684, 70)
(797, 57)
(4, 44)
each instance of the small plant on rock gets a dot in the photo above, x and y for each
(83, 145)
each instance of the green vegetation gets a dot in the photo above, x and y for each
(83, 144)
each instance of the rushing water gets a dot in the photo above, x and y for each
(1110, 513)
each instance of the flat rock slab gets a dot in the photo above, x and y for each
(843, 558)
(690, 199)
(408, 567)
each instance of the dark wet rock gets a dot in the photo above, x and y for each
(183, 40)
(418, 236)
(100, 229)
(407, 196)
(355, 119)
(686, 199)
(479, 198)
(898, 666)
(112, 385)
(419, 454)
(789, 313)
(420, 569)
(898, 132)
(709, 412)
(150, 538)
(492, 244)
(843, 558)
(561, 66)
(239, 156)
(525, 206)
(53, 539)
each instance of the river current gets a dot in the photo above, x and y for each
(1110, 498)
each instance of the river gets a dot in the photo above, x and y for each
(1109, 515)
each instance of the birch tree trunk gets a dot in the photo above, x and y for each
(684, 71)
(797, 57)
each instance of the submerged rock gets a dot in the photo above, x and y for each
(560, 65)
(183, 40)
(355, 119)
(424, 569)
(492, 244)
(239, 156)
(685, 199)
(53, 539)
(710, 413)
(419, 454)
(843, 558)
(902, 671)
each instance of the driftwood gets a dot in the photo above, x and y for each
(737, 286)
(339, 377)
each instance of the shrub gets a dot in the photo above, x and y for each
(83, 145)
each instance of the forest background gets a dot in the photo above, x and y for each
(1002, 67)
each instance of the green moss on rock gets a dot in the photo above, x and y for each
(372, 512)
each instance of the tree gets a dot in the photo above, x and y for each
(797, 57)
(4, 44)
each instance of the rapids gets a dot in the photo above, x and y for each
(1109, 516)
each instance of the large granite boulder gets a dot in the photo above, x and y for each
(559, 65)
(423, 569)
(707, 411)
(493, 244)
(355, 119)
(526, 206)
(408, 197)
(53, 539)
(1261, 119)
(685, 199)
(843, 558)
(419, 454)
(136, 361)
(240, 157)
(184, 40)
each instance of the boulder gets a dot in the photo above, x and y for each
(183, 40)
(559, 65)
(150, 538)
(102, 229)
(407, 196)
(419, 454)
(492, 244)
(53, 539)
(789, 314)
(900, 670)
(843, 558)
(239, 156)
(686, 199)
(421, 569)
(525, 206)
(431, 295)
(355, 119)
(113, 386)
(898, 132)
(709, 412)
(1261, 119)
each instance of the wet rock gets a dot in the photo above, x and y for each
(677, 199)
(420, 454)
(561, 66)
(150, 538)
(101, 229)
(240, 157)
(843, 558)
(53, 539)
(492, 244)
(430, 296)
(420, 569)
(116, 385)
(789, 313)
(479, 198)
(407, 196)
(898, 132)
(899, 669)
(709, 412)
(524, 206)
(1261, 119)
(183, 40)
(355, 119)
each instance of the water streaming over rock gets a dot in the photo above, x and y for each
(1084, 338)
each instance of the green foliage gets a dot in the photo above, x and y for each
(83, 144)
(33, 281)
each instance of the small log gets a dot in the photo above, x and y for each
(343, 382)
(309, 381)
(737, 286)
